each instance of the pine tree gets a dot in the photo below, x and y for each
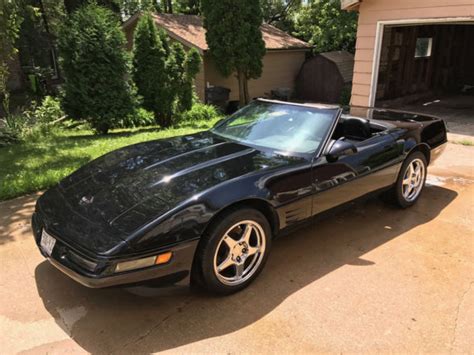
(150, 69)
(192, 66)
(95, 66)
(235, 39)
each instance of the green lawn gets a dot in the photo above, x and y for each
(30, 167)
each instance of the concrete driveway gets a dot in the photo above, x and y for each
(374, 278)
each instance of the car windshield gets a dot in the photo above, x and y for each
(283, 127)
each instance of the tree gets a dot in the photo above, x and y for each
(235, 39)
(149, 69)
(280, 13)
(131, 7)
(10, 22)
(192, 66)
(112, 5)
(189, 7)
(175, 68)
(323, 24)
(39, 30)
(95, 65)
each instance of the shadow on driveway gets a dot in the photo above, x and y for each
(148, 320)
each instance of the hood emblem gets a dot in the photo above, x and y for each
(86, 200)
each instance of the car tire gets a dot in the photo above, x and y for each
(232, 252)
(410, 182)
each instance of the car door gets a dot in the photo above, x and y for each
(371, 168)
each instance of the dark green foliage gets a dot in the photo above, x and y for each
(149, 69)
(235, 39)
(139, 118)
(280, 13)
(345, 98)
(176, 71)
(189, 7)
(95, 65)
(192, 65)
(40, 26)
(130, 7)
(8, 137)
(112, 5)
(323, 24)
(163, 72)
(10, 22)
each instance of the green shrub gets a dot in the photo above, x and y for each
(139, 118)
(200, 112)
(49, 111)
(7, 136)
(345, 98)
(95, 65)
(13, 129)
(32, 124)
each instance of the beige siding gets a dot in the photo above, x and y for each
(279, 71)
(372, 11)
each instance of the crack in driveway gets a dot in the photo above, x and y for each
(461, 301)
(143, 336)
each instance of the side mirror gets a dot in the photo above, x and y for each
(339, 149)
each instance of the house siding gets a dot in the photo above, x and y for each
(373, 11)
(280, 69)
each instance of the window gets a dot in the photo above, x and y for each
(423, 47)
(282, 127)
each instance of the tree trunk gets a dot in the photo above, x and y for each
(168, 6)
(242, 90)
(246, 90)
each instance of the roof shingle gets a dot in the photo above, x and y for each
(344, 62)
(190, 29)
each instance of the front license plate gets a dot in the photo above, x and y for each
(47, 243)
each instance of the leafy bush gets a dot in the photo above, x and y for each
(139, 118)
(95, 65)
(345, 98)
(31, 124)
(7, 135)
(49, 111)
(200, 112)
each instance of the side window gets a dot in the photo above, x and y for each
(356, 129)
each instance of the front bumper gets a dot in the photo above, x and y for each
(67, 260)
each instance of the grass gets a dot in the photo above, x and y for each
(33, 166)
(466, 142)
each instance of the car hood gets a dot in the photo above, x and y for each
(122, 190)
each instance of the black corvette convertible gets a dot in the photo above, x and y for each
(205, 207)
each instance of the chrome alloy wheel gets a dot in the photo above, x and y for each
(239, 253)
(413, 180)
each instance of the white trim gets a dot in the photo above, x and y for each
(347, 4)
(379, 38)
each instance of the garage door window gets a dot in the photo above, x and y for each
(423, 47)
